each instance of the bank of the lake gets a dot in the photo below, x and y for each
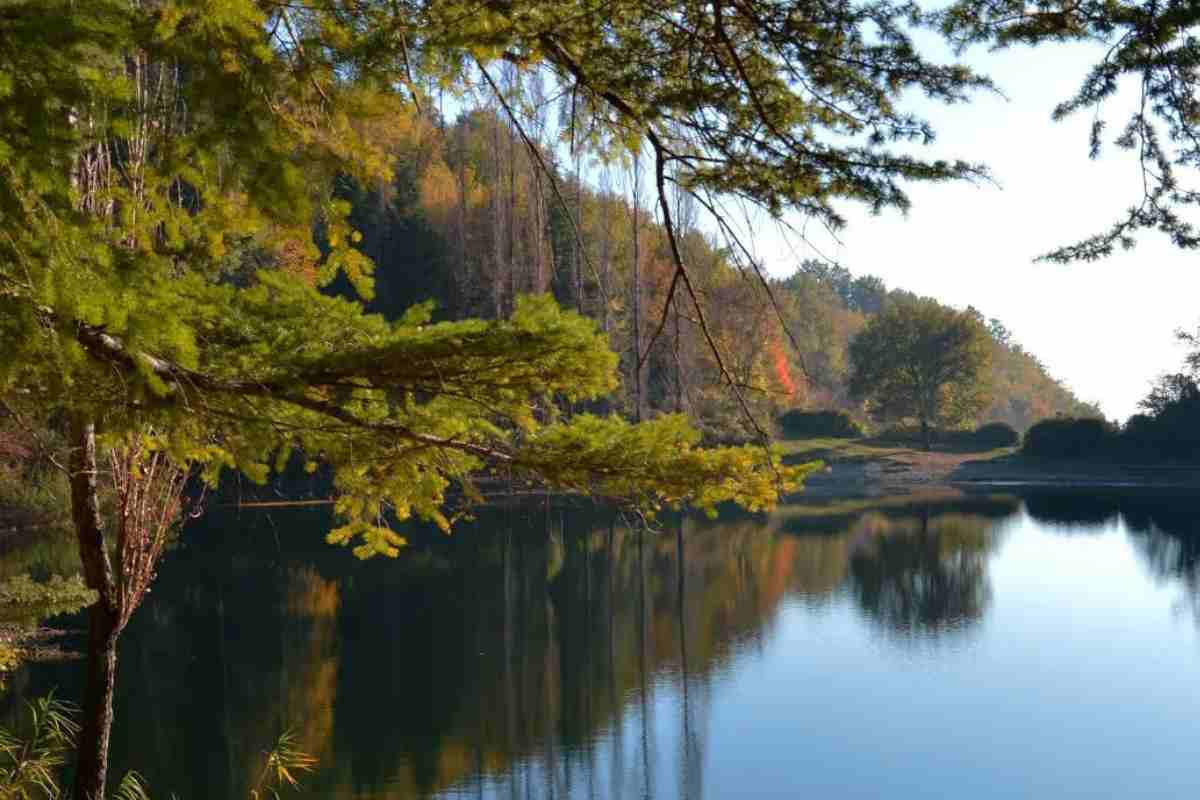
(857, 467)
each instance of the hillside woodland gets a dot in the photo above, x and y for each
(474, 217)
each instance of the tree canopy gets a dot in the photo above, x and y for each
(1151, 45)
(173, 226)
(923, 361)
(153, 151)
(827, 306)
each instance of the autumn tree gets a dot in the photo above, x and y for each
(163, 166)
(923, 361)
(165, 163)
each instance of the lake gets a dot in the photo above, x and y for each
(982, 646)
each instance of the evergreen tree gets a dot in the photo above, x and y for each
(164, 163)
(162, 166)
(1150, 43)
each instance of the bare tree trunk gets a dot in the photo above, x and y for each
(91, 770)
(537, 198)
(605, 250)
(460, 299)
(685, 219)
(103, 625)
(514, 87)
(534, 92)
(578, 251)
(678, 360)
(638, 384)
(497, 202)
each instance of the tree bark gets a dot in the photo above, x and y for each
(638, 372)
(92, 765)
(91, 769)
(926, 436)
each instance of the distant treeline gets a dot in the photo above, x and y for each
(471, 220)
(837, 304)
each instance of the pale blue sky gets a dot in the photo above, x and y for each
(1103, 328)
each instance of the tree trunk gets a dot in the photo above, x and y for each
(92, 767)
(91, 770)
(926, 435)
(638, 372)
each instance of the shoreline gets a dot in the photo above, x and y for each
(899, 471)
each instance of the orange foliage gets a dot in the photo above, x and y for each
(779, 360)
(439, 193)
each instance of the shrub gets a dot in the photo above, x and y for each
(996, 434)
(798, 424)
(1171, 435)
(24, 601)
(1068, 437)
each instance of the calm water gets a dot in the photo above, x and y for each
(986, 648)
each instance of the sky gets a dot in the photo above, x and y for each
(1103, 328)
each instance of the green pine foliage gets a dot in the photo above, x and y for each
(165, 167)
(1150, 44)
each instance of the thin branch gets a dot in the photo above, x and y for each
(537, 156)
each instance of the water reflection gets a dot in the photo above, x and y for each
(548, 655)
(920, 577)
(1166, 532)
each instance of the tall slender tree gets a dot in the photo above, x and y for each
(163, 165)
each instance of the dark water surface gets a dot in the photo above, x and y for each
(984, 647)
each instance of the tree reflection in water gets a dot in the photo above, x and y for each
(922, 578)
(1164, 527)
(551, 655)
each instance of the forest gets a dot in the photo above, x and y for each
(429, 247)
(473, 217)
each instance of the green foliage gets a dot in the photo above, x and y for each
(283, 764)
(132, 787)
(1151, 43)
(158, 270)
(865, 294)
(920, 360)
(1170, 426)
(826, 306)
(31, 757)
(26, 601)
(39, 500)
(10, 659)
(1167, 430)
(797, 424)
(33, 494)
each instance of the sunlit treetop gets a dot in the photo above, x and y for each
(162, 167)
(790, 105)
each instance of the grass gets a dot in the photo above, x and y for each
(871, 449)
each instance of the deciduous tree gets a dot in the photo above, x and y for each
(923, 361)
